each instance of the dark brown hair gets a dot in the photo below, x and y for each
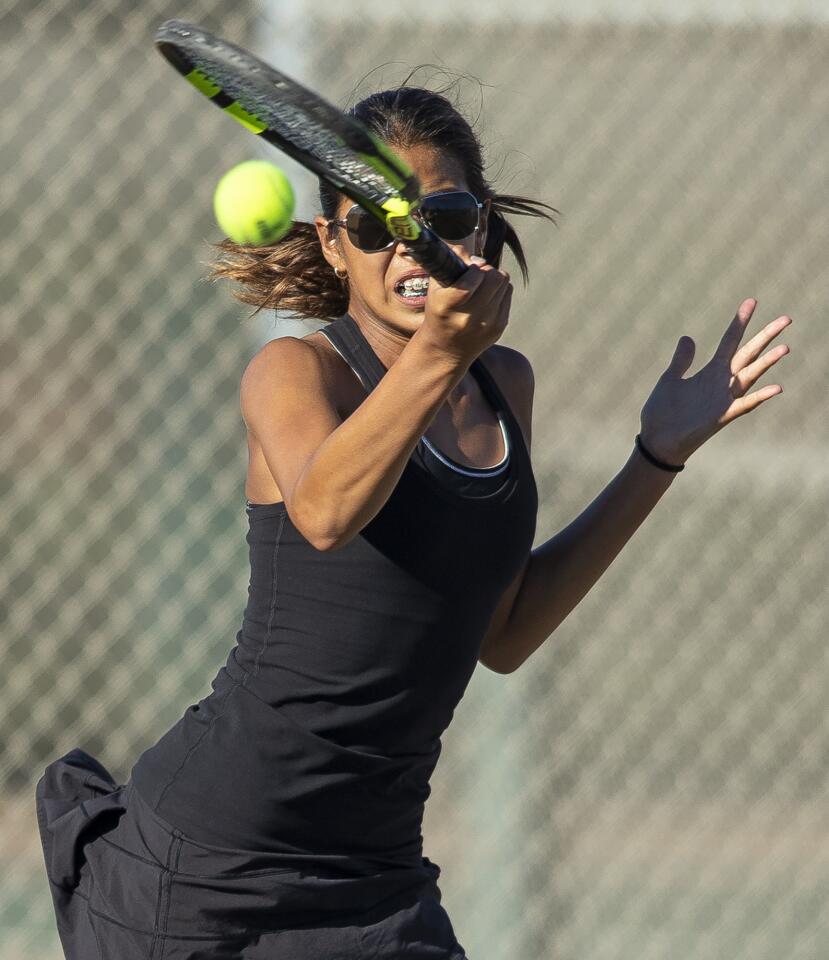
(293, 274)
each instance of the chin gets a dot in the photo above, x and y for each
(408, 310)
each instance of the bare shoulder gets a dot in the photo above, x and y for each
(284, 366)
(514, 375)
(310, 355)
(281, 358)
(281, 351)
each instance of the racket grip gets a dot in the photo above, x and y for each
(436, 257)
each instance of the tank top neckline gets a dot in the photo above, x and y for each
(426, 457)
(377, 370)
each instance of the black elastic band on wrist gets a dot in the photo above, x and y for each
(654, 461)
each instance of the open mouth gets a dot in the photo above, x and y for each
(412, 290)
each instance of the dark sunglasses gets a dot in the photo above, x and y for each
(453, 216)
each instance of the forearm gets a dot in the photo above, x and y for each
(561, 571)
(353, 473)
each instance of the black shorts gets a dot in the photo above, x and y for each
(126, 885)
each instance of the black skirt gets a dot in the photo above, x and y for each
(126, 885)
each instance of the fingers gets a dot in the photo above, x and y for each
(488, 269)
(494, 296)
(471, 278)
(734, 331)
(746, 404)
(758, 342)
(748, 376)
(504, 303)
(502, 292)
(481, 279)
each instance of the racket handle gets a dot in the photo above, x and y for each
(436, 257)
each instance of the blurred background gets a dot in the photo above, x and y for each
(652, 783)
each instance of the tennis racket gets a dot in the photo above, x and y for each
(313, 132)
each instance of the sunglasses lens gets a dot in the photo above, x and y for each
(452, 216)
(365, 231)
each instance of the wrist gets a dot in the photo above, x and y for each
(646, 451)
(430, 351)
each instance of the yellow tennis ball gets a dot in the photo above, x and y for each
(254, 203)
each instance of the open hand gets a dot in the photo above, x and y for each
(680, 415)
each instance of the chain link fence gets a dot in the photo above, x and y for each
(652, 782)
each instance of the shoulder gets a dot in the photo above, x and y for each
(281, 359)
(513, 366)
(291, 355)
(310, 365)
(286, 365)
(514, 375)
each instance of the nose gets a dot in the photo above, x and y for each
(400, 248)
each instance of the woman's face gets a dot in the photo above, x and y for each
(372, 276)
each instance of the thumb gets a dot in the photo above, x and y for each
(682, 359)
(471, 278)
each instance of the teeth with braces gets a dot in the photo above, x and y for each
(415, 283)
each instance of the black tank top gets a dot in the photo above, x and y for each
(323, 727)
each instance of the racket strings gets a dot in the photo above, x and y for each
(297, 124)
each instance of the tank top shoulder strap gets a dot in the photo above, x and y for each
(496, 397)
(488, 385)
(348, 340)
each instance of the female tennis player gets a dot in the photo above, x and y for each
(392, 511)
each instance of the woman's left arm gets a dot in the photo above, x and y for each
(677, 418)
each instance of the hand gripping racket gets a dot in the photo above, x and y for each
(315, 133)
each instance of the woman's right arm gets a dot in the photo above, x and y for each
(335, 475)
